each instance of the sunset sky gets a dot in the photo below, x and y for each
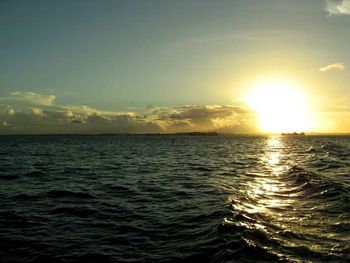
(174, 66)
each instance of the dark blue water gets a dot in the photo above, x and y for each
(174, 198)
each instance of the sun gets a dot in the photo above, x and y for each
(280, 106)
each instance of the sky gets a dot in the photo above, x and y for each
(110, 66)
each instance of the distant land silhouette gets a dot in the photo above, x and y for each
(178, 133)
(293, 134)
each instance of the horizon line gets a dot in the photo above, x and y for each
(194, 133)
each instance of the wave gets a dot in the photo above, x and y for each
(9, 177)
(69, 194)
(36, 173)
(162, 199)
(298, 192)
(13, 219)
(74, 210)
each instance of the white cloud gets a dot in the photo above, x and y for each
(338, 7)
(335, 66)
(29, 112)
(24, 98)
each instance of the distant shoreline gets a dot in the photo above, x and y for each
(195, 134)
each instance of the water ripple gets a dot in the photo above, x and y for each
(174, 198)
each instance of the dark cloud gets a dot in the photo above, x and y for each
(77, 121)
(210, 117)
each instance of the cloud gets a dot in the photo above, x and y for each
(9, 111)
(37, 111)
(33, 98)
(204, 118)
(28, 112)
(338, 7)
(5, 124)
(335, 66)
(27, 99)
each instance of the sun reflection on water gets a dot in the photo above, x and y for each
(273, 154)
(262, 204)
(274, 206)
(264, 191)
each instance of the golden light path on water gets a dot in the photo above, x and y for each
(266, 188)
(274, 201)
(266, 203)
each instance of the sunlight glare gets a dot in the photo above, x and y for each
(280, 106)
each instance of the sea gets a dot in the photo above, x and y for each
(174, 198)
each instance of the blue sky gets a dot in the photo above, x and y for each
(121, 56)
